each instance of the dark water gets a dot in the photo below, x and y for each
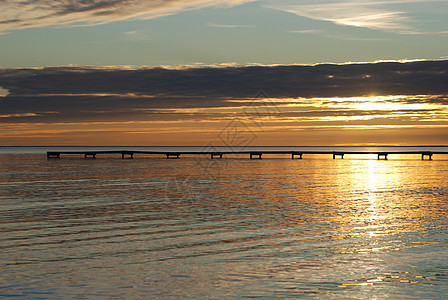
(198, 228)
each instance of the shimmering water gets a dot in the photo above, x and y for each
(150, 227)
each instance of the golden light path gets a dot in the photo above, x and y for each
(382, 221)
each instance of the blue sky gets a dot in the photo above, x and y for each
(177, 72)
(152, 33)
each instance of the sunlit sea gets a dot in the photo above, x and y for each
(150, 227)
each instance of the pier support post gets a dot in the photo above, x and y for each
(89, 155)
(252, 154)
(123, 155)
(53, 155)
(338, 154)
(213, 155)
(429, 154)
(172, 155)
(382, 155)
(298, 154)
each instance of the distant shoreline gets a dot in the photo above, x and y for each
(158, 146)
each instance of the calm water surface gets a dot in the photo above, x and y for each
(314, 228)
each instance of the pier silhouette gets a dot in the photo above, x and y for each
(128, 154)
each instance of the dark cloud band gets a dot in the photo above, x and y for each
(83, 94)
(392, 78)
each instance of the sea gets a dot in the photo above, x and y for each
(230, 228)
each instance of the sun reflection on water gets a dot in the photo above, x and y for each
(271, 228)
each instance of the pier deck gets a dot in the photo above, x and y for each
(127, 154)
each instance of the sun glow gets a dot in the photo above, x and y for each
(361, 120)
(383, 103)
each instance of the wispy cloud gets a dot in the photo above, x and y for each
(136, 36)
(229, 25)
(336, 36)
(42, 13)
(386, 15)
(307, 31)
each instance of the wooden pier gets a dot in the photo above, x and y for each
(128, 154)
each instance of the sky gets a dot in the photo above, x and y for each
(199, 72)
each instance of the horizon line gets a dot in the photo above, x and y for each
(234, 146)
(223, 65)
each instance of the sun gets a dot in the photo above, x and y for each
(379, 103)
